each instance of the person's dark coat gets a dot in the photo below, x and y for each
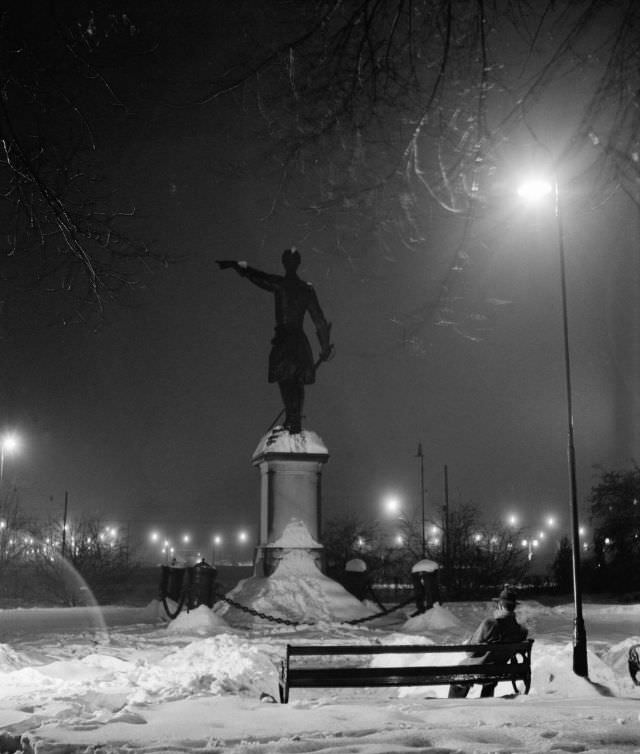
(502, 630)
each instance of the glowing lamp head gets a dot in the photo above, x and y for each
(10, 443)
(392, 506)
(534, 189)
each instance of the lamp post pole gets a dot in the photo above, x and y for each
(420, 455)
(446, 552)
(580, 666)
(8, 443)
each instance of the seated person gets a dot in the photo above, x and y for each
(503, 628)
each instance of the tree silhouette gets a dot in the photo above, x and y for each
(393, 114)
(66, 248)
(615, 510)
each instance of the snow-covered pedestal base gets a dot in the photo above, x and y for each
(290, 496)
(297, 592)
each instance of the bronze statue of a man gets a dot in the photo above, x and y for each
(291, 362)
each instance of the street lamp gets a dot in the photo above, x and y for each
(8, 444)
(532, 190)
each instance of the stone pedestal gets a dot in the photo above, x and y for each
(290, 496)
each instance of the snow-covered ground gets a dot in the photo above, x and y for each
(126, 680)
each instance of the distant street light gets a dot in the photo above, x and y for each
(9, 443)
(215, 544)
(392, 506)
(533, 190)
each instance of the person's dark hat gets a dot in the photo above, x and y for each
(508, 597)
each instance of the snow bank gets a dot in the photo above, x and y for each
(224, 664)
(202, 621)
(9, 659)
(552, 673)
(437, 618)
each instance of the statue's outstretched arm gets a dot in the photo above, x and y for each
(257, 277)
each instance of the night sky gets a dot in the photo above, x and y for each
(151, 420)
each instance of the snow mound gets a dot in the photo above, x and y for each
(617, 658)
(295, 534)
(202, 621)
(216, 665)
(437, 618)
(425, 566)
(296, 591)
(552, 673)
(10, 660)
(356, 565)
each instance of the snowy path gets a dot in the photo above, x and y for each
(378, 724)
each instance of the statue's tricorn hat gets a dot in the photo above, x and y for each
(291, 258)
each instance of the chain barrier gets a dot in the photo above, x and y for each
(355, 621)
(258, 614)
(185, 597)
(287, 622)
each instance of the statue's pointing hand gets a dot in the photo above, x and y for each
(225, 264)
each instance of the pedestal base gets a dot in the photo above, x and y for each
(290, 495)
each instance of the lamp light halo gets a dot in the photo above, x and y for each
(534, 188)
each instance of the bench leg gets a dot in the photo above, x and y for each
(458, 690)
(488, 690)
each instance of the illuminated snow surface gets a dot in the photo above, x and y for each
(125, 680)
(278, 440)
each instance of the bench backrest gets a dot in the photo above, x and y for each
(507, 650)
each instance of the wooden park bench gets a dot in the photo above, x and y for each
(504, 662)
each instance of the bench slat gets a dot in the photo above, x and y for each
(402, 676)
(376, 649)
